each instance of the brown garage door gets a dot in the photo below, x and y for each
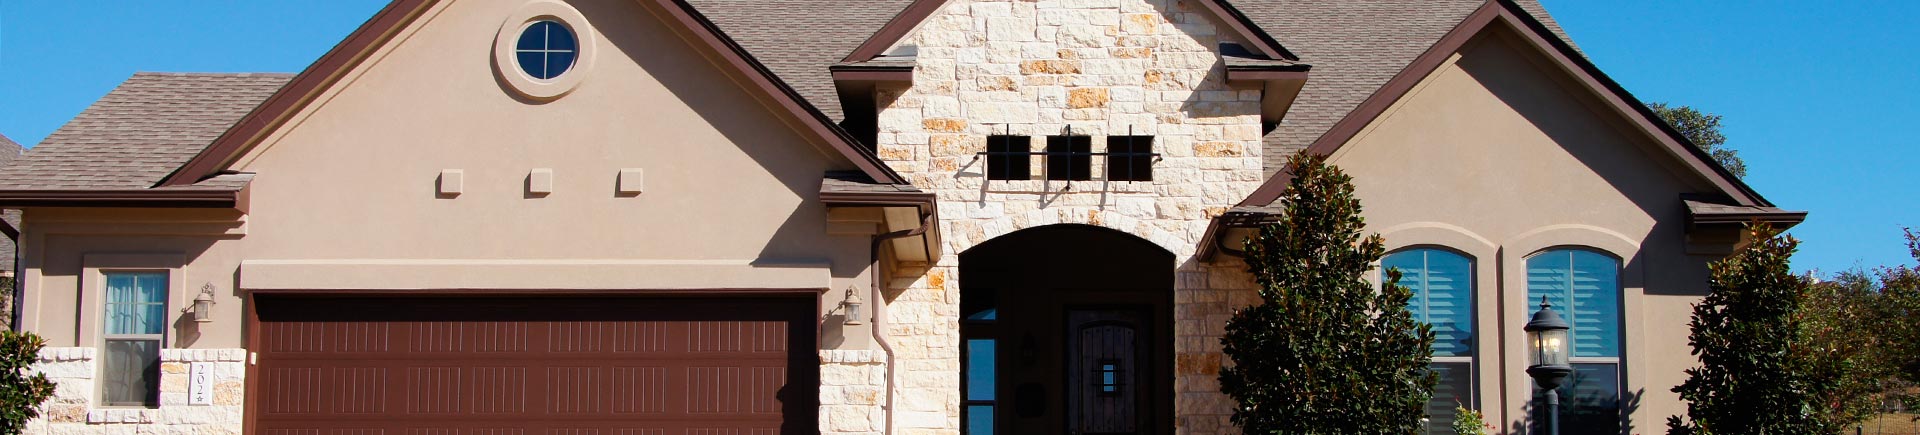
(535, 366)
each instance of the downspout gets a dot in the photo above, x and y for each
(880, 307)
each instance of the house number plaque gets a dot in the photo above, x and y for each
(200, 384)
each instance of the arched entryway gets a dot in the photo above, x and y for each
(1067, 329)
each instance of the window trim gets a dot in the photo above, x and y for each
(506, 67)
(1619, 293)
(93, 290)
(1631, 284)
(1478, 345)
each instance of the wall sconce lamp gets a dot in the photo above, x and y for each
(851, 308)
(202, 308)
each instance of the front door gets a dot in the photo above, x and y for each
(1103, 363)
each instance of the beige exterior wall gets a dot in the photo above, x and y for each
(1101, 67)
(1495, 157)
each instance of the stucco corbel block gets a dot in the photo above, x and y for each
(540, 181)
(452, 182)
(632, 181)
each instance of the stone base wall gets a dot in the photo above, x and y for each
(74, 409)
(1205, 297)
(853, 392)
(1100, 68)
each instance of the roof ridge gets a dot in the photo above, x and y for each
(211, 74)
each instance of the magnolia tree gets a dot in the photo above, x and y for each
(1326, 352)
(1771, 361)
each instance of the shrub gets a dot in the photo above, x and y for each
(1469, 422)
(21, 390)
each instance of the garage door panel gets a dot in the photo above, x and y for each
(430, 365)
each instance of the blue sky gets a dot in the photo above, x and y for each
(1817, 99)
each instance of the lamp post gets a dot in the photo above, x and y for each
(1547, 357)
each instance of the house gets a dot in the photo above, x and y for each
(814, 216)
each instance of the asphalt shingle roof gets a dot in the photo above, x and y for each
(141, 131)
(9, 150)
(799, 39)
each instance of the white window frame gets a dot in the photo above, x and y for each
(1619, 361)
(1473, 298)
(93, 291)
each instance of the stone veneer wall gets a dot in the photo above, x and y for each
(1033, 68)
(852, 383)
(72, 410)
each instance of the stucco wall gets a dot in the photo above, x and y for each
(1102, 67)
(1494, 156)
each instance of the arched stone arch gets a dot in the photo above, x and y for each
(984, 230)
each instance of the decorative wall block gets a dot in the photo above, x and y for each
(451, 182)
(632, 181)
(540, 182)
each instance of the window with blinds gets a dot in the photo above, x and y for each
(1442, 284)
(135, 323)
(1584, 286)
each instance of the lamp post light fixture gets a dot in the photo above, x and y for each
(851, 308)
(1547, 357)
(203, 305)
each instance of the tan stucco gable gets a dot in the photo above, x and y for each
(1555, 57)
(723, 178)
(374, 40)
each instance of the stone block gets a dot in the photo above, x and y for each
(1032, 67)
(1140, 24)
(945, 124)
(1218, 149)
(1085, 98)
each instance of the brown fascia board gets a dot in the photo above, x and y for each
(1585, 73)
(397, 15)
(138, 198)
(298, 92)
(1781, 218)
(919, 10)
(922, 200)
(1267, 73)
(865, 73)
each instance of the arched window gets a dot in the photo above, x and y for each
(1584, 286)
(1442, 284)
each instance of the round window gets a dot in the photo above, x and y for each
(546, 49)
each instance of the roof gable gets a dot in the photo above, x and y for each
(378, 31)
(1560, 54)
